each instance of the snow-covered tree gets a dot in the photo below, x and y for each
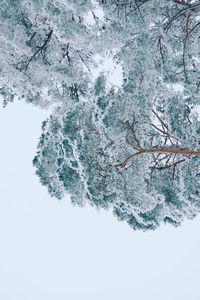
(134, 149)
(45, 47)
(116, 152)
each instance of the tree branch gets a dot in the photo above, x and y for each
(161, 150)
(40, 49)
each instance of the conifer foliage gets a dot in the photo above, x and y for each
(134, 148)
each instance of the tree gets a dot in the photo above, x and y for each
(45, 46)
(107, 152)
(134, 149)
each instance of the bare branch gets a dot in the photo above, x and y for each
(66, 53)
(81, 58)
(184, 48)
(39, 50)
(181, 12)
(134, 135)
(160, 150)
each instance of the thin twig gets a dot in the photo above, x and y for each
(40, 48)
(191, 7)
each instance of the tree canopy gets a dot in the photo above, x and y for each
(134, 148)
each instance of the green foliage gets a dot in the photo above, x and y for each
(94, 140)
(101, 145)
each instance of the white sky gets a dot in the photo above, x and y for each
(50, 250)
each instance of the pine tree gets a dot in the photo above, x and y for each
(115, 153)
(44, 47)
(134, 149)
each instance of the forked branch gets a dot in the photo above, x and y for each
(166, 155)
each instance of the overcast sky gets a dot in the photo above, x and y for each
(51, 250)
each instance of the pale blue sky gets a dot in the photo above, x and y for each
(50, 250)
